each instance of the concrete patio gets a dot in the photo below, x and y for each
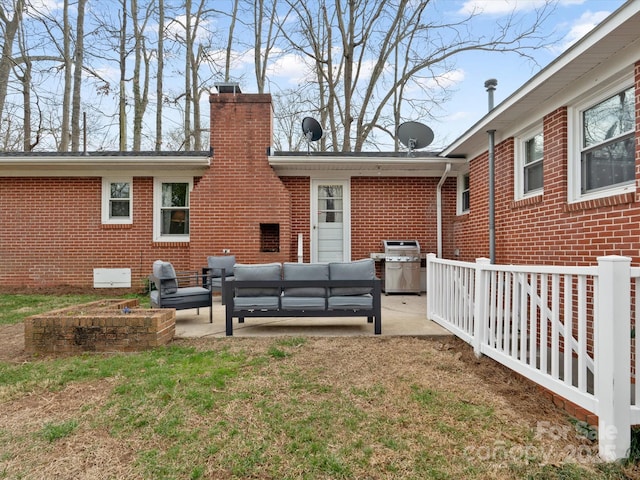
(402, 315)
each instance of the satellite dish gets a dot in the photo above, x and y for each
(414, 135)
(312, 130)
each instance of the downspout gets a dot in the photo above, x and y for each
(492, 202)
(439, 207)
(490, 85)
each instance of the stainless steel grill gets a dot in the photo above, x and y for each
(401, 273)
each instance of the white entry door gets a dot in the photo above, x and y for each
(330, 221)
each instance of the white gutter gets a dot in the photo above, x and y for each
(439, 207)
(56, 165)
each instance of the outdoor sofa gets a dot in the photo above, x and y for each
(337, 289)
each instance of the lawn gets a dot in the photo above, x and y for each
(282, 408)
(15, 307)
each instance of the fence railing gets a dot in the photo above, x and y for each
(569, 329)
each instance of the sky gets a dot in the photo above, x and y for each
(468, 103)
(571, 20)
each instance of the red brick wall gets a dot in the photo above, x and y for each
(382, 208)
(52, 233)
(240, 191)
(400, 208)
(547, 229)
(300, 190)
(471, 230)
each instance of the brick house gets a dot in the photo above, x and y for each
(565, 189)
(66, 215)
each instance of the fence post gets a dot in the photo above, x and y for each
(429, 281)
(479, 305)
(612, 354)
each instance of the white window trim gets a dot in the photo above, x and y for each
(106, 196)
(520, 154)
(157, 204)
(574, 147)
(459, 210)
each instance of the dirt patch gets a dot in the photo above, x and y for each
(12, 343)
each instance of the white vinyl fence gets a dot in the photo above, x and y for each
(569, 329)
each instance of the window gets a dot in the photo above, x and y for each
(463, 194)
(608, 134)
(330, 204)
(528, 166)
(533, 164)
(171, 217)
(117, 197)
(602, 153)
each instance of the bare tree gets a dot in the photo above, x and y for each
(232, 26)
(159, 75)
(264, 12)
(190, 34)
(11, 135)
(65, 135)
(368, 64)
(370, 36)
(122, 96)
(188, 64)
(10, 22)
(78, 62)
(289, 108)
(140, 71)
(23, 71)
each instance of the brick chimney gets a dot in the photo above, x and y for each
(240, 204)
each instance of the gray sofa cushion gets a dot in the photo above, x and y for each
(182, 296)
(305, 271)
(216, 264)
(303, 303)
(359, 270)
(256, 303)
(263, 271)
(166, 275)
(350, 302)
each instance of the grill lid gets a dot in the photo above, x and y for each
(397, 249)
(401, 244)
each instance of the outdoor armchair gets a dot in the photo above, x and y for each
(183, 290)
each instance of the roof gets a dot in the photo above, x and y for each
(401, 164)
(58, 164)
(614, 42)
(54, 164)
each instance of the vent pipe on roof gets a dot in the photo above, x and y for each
(491, 85)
